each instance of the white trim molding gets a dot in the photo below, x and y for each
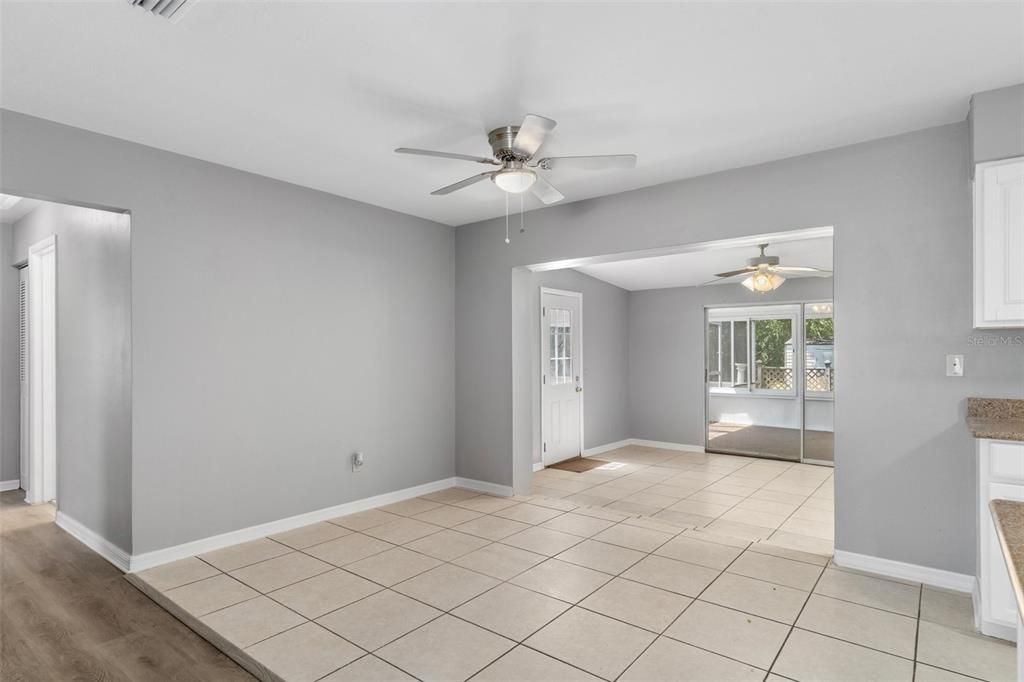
(140, 562)
(665, 445)
(607, 447)
(9, 485)
(933, 577)
(41, 476)
(97, 543)
(484, 487)
(538, 466)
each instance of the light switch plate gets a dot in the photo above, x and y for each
(954, 365)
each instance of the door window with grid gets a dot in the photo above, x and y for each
(560, 345)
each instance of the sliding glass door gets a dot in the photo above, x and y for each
(819, 383)
(769, 381)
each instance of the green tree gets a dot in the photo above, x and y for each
(770, 342)
(820, 330)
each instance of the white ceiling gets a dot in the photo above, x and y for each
(698, 267)
(13, 214)
(319, 93)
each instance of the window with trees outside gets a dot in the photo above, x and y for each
(819, 352)
(750, 353)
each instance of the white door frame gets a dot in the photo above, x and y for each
(24, 396)
(543, 345)
(42, 318)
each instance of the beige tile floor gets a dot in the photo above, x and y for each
(659, 566)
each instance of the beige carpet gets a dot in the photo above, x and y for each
(770, 441)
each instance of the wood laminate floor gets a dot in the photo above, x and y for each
(67, 614)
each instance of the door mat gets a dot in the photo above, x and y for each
(579, 464)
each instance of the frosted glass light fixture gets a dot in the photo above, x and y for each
(763, 281)
(514, 181)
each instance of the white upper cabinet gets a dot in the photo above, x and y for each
(999, 244)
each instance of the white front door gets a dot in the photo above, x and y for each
(561, 375)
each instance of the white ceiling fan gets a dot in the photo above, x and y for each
(764, 273)
(514, 149)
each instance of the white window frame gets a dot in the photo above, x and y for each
(750, 315)
(732, 388)
(808, 315)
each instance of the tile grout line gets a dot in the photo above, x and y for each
(792, 627)
(674, 620)
(508, 581)
(684, 530)
(917, 627)
(650, 553)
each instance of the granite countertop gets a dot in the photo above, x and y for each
(1009, 518)
(996, 418)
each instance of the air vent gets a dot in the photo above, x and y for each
(168, 9)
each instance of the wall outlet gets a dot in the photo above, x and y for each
(357, 461)
(954, 365)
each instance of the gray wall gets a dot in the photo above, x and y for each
(10, 393)
(275, 329)
(997, 124)
(605, 354)
(666, 353)
(902, 212)
(94, 463)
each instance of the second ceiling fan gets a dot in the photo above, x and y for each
(763, 273)
(514, 149)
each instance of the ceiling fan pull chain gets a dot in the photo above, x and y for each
(506, 218)
(522, 227)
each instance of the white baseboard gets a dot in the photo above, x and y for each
(484, 487)
(537, 466)
(664, 445)
(933, 577)
(607, 447)
(95, 542)
(9, 485)
(140, 562)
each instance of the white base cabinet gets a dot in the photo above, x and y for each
(1000, 477)
(999, 244)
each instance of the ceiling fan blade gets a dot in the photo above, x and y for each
(801, 268)
(532, 132)
(589, 162)
(448, 155)
(545, 192)
(463, 183)
(719, 280)
(733, 273)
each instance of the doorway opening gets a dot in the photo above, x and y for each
(65, 363)
(644, 385)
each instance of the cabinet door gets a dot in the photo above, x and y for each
(999, 602)
(999, 244)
